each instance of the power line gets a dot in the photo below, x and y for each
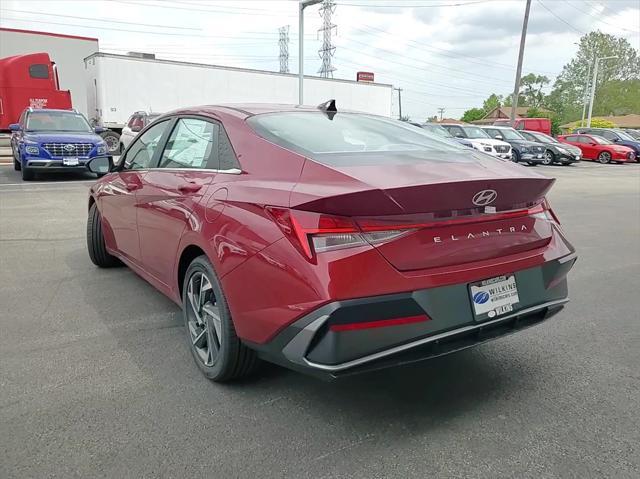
(394, 5)
(559, 18)
(98, 19)
(600, 20)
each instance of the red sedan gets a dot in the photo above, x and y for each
(329, 242)
(598, 148)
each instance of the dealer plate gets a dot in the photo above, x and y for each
(494, 297)
(70, 161)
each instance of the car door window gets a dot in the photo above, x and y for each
(609, 135)
(193, 144)
(456, 131)
(140, 154)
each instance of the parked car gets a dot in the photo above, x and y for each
(135, 124)
(615, 135)
(531, 152)
(479, 140)
(543, 125)
(53, 141)
(328, 242)
(555, 152)
(598, 148)
(444, 133)
(635, 134)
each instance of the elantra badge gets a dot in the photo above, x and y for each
(484, 197)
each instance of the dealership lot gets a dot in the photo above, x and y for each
(96, 378)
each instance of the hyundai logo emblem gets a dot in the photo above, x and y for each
(484, 197)
(69, 147)
(481, 297)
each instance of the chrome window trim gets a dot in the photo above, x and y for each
(231, 171)
(303, 338)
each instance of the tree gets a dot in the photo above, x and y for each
(570, 86)
(473, 114)
(531, 86)
(494, 101)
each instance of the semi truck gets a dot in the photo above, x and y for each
(119, 85)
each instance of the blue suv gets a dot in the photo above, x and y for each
(53, 140)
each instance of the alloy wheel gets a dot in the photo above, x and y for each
(203, 318)
(604, 157)
(548, 158)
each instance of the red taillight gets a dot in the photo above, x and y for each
(318, 232)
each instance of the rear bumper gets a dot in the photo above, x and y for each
(313, 344)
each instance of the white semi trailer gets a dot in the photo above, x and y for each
(119, 85)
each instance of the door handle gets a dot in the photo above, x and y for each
(189, 187)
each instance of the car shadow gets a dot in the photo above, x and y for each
(419, 396)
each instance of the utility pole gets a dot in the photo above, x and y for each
(584, 96)
(283, 42)
(327, 51)
(441, 111)
(516, 88)
(399, 90)
(593, 86)
(301, 6)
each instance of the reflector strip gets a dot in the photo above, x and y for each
(379, 324)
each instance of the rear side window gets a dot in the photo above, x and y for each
(193, 144)
(39, 70)
(315, 135)
(572, 138)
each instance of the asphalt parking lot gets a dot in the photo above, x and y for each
(96, 378)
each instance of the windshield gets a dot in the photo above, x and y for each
(624, 135)
(511, 134)
(438, 130)
(314, 134)
(474, 132)
(57, 121)
(601, 140)
(544, 138)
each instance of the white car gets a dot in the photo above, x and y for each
(480, 140)
(135, 124)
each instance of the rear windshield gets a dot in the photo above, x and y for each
(313, 134)
(57, 121)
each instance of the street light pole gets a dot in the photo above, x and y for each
(593, 86)
(584, 95)
(301, 6)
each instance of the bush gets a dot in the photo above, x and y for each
(601, 123)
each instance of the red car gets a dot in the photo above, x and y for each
(598, 148)
(329, 242)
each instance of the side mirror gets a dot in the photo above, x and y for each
(459, 135)
(99, 129)
(616, 140)
(592, 143)
(499, 137)
(100, 165)
(15, 127)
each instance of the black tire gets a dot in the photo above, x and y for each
(233, 359)
(112, 139)
(604, 157)
(516, 156)
(95, 241)
(532, 163)
(27, 174)
(16, 165)
(549, 158)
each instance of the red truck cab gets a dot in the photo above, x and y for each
(543, 125)
(29, 81)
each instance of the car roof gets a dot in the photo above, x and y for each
(244, 110)
(497, 127)
(47, 110)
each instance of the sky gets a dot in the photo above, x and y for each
(447, 54)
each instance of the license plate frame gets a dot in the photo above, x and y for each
(493, 297)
